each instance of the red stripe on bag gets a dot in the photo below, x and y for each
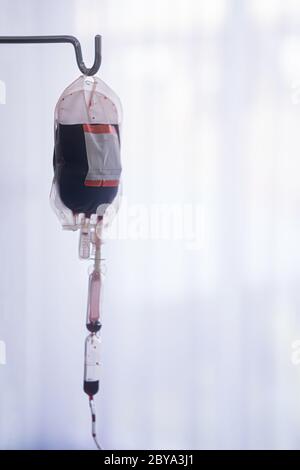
(99, 128)
(98, 183)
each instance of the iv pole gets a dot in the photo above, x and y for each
(61, 39)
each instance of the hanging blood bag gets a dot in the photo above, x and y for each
(86, 161)
(86, 184)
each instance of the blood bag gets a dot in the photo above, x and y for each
(86, 160)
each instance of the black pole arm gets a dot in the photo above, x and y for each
(70, 39)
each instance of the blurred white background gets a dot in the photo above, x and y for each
(197, 341)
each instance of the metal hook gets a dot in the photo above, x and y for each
(70, 39)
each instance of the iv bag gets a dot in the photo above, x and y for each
(86, 161)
